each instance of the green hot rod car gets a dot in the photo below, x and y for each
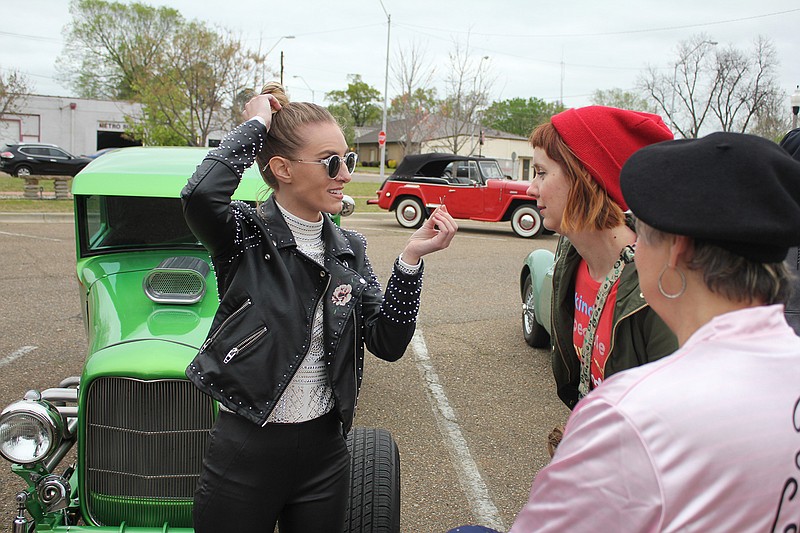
(138, 427)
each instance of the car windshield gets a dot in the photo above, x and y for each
(109, 224)
(491, 170)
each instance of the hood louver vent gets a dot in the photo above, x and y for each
(177, 280)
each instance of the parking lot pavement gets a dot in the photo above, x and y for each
(469, 405)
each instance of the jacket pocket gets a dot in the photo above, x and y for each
(242, 346)
(213, 336)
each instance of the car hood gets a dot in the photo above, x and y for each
(510, 186)
(118, 310)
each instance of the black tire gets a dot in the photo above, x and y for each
(374, 482)
(526, 221)
(534, 333)
(410, 213)
(22, 171)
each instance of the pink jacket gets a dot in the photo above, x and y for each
(706, 439)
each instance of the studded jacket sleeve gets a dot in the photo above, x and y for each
(207, 196)
(389, 332)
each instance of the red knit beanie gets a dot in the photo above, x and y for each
(603, 138)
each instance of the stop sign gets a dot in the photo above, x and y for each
(382, 138)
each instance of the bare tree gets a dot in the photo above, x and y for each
(14, 89)
(413, 78)
(685, 98)
(620, 98)
(747, 85)
(734, 87)
(468, 86)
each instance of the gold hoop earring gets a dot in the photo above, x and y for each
(664, 293)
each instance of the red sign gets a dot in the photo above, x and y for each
(382, 138)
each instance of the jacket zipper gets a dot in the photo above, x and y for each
(245, 344)
(355, 362)
(225, 322)
(614, 334)
(562, 353)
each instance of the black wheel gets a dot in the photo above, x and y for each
(410, 212)
(22, 171)
(534, 333)
(374, 482)
(526, 221)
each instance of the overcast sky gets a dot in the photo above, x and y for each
(549, 49)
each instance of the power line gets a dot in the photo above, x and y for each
(599, 34)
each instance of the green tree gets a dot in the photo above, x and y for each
(620, 98)
(111, 44)
(518, 115)
(199, 81)
(188, 77)
(360, 100)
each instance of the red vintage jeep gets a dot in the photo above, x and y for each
(471, 187)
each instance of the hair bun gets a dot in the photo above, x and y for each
(276, 89)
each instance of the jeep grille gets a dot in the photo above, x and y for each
(144, 447)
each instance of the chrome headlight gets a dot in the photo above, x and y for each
(30, 429)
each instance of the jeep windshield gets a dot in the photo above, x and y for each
(491, 170)
(109, 224)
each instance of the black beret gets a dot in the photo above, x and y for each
(738, 191)
(791, 143)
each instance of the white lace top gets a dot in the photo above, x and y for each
(309, 395)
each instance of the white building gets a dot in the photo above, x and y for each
(79, 125)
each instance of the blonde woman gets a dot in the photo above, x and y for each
(299, 301)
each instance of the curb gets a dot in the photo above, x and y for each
(28, 218)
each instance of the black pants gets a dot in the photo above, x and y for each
(295, 474)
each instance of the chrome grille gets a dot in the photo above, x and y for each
(143, 450)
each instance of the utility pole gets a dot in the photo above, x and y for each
(385, 92)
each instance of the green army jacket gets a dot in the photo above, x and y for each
(638, 333)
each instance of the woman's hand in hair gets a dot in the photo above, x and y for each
(262, 106)
(434, 235)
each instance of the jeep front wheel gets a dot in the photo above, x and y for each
(526, 221)
(374, 482)
(410, 213)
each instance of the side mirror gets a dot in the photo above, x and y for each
(348, 206)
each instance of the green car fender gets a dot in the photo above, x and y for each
(536, 290)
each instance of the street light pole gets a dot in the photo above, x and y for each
(385, 89)
(795, 99)
(480, 122)
(301, 78)
(675, 78)
(273, 48)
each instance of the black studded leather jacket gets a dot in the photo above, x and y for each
(269, 292)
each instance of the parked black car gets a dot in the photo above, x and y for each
(26, 159)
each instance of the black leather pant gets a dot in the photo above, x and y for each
(297, 475)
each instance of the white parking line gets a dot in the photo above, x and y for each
(29, 236)
(16, 355)
(472, 483)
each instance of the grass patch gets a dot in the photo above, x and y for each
(21, 205)
(361, 191)
(10, 183)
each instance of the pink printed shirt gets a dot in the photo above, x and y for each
(706, 439)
